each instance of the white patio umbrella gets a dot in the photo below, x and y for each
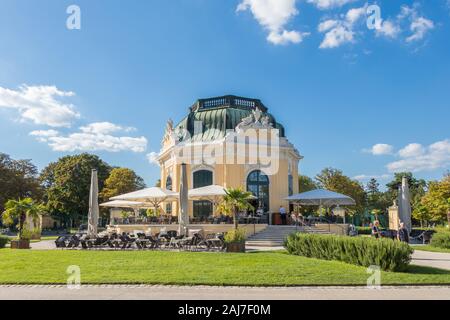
(93, 205)
(321, 198)
(184, 201)
(405, 204)
(213, 193)
(149, 197)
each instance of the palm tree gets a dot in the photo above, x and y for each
(236, 200)
(21, 210)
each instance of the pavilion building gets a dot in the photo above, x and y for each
(233, 142)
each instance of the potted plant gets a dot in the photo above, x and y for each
(20, 210)
(235, 201)
(235, 240)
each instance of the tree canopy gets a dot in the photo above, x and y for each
(306, 184)
(120, 181)
(67, 183)
(436, 202)
(334, 180)
(18, 179)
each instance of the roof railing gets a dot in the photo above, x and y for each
(228, 101)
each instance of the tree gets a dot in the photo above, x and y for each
(21, 210)
(334, 180)
(120, 181)
(417, 188)
(18, 179)
(306, 184)
(236, 200)
(437, 200)
(67, 183)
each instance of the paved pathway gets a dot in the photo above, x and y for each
(221, 293)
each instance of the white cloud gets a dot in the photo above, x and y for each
(93, 137)
(388, 29)
(273, 15)
(328, 4)
(419, 25)
(412, 150)
(340, 31)
(380, 149)
(152, 157)
(416, 158)
(104, 128)
(40, 104)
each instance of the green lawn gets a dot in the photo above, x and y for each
(254, 269)
(431, 249)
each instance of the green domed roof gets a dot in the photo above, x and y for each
(220, 114)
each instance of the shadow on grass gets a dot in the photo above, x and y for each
(413, 269)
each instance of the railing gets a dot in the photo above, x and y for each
(232, 101)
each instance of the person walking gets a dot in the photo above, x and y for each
(403, 233)
(283, 214)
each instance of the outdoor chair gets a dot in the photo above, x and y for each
(60, 242)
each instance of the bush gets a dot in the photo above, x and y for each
(235, 235)
(441, 239)
(389, 255)
(3, 241)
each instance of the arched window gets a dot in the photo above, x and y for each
(258, 184)
(202, 178)
(169, 183)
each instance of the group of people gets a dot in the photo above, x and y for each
(402, 232)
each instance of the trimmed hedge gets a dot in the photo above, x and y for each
(3, 241)
(441, 239)
(389, 255)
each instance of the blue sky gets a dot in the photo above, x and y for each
(368, 101)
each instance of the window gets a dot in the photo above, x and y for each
(258, 184)
(291, 185)
(169, 208)
(203, 209)
(169, 183)
(202, 178)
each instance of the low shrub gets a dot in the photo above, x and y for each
(3, 241)
(387, 254)
(235, 235)
(441, 239)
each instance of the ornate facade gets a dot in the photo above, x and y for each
(232, 142)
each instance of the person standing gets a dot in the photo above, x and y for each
(403, 233)
(283, 214)
(376, 229)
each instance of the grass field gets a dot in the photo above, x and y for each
(184, 268)
(431, 249)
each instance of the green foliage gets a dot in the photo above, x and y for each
(306, 184)
(334, 180)
(120, 181)
(389, 255)
(20, 210)
(441, 239)
(436, 202)
(3, 241)
(67, 184)
(236, 200)
(18, 179)
(235, 235)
